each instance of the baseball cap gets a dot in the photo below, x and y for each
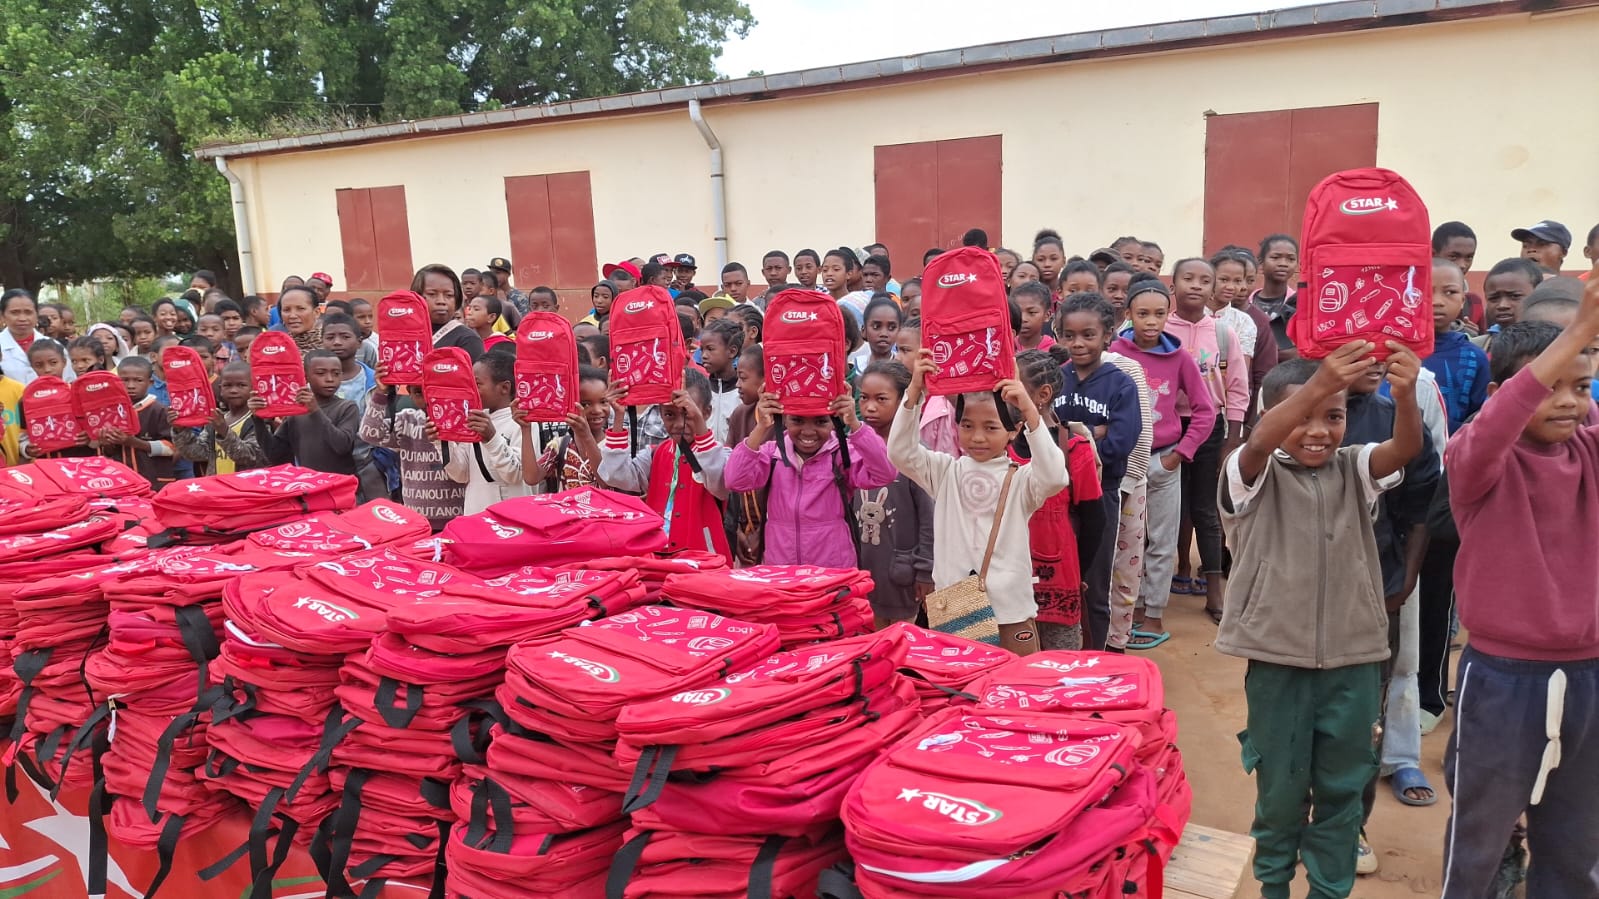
(1106, 254)
(662, 259)
(1546, 231)
(682, 260)
(720, 301)
(500, 264)
(628, 268)
(324, 277)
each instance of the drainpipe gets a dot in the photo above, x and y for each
(718, 184)
(241, 226)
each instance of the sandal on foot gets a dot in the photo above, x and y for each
(1215, 615)
(1404, 780)
(1147, 640)
(1182, 586)
(1198, 586)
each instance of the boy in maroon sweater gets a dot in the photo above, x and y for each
(1524, 486)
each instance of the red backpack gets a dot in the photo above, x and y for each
(277, 373)
(966, 322)
(546, 367)
(52, 417)
(647, 349)
(450, 390)
(188, 386)
(806, 356)
(405, 336)
(1366, 262)
(225, 505)
(102, 402)
(553, 529)
(82, 475)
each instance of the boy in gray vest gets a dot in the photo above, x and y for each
(1305, 607)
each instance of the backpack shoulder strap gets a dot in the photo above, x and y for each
(1224, 342)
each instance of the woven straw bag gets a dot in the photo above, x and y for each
(963, 608)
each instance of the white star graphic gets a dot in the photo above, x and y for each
(195, 488)
(1393, 205)
(909, 794)
(71, 832)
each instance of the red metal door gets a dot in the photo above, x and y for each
(551, 220)
(375, 238)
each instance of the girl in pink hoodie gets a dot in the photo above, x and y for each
(1174, 379)
(1220, 354)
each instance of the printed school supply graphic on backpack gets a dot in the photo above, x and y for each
(1366, 266)
(405, 336)
(277, 374)
(647, 348)
(806, 357)
(102, 402)
(966, 322)
(546, 367)
(450, 391)
(188, 386)
(51, 417)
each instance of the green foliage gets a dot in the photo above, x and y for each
(102, 102)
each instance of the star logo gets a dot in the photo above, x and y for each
(909, 794)
(1393, 205)
(195, 488)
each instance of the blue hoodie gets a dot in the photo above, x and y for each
(1462, 371)
(1108, 397)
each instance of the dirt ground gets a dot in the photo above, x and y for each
(1206, 689)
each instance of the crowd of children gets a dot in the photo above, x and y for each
(1148, 416)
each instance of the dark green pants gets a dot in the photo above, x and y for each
(1311, 743)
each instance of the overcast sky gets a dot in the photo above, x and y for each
(801, 34)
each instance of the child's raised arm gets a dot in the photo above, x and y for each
(922, 465)
(1336, 373)
(1395, 453)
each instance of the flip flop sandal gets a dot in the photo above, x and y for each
(1151, 640)
(1198, 586)
(1406, 779)
(1182, 586)
(1215, 615)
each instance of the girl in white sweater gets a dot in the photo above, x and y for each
(966, 491)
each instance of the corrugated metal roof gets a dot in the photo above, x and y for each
(1268, 25)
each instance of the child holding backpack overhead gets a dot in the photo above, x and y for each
(226, 444)
(491, 469)
(896, 520)
(574, 459)
(150, 451)
(966, 493)
(810, 479)
(324, 438)
(424, 485)
(681, 478)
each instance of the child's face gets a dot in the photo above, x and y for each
(1083, 335)
(1033, 313)
(714, 354)
(496, 395)
(542, 302)
(591, 400)
(1049, 261)
(879, 398)
(83, 360)
(1079, 282)
(1504, 294)
(1115, 289)
(714, 313)
(166, 318)
(873, 278)
(1021, 274)
(1448, 296)
(233, 321)
(601, 298)
(881, 330)
(910, 299)
(1230, 284)
(260, 315)
(1281, 259)
(1546, 253)
(108, 341)
(143, 336)
(833, 275)
(805, 271)
(137, 380)
(906, 344)
(323, 377)
(1563, 411)
(982, 435)
(1148, 311)
(750, 385)
(69, 325)
(775, 270)
(48, 363)
(235, 389)
(211, 328)
(675, 422)
(470, 286)
(342, 341)
(363, 317)
(1007, 264)
(1313, 441)
(1150, 259)
(1459, 250)
(736, 284)
(241, 342)
(49, 321)
(476, 315)
(1191, 289)
(208, 362)
(807, 433)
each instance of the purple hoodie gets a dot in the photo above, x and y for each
(1171, 371)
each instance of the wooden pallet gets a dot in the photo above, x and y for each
(1208, 864)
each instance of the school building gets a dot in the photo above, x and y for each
(1195, 134)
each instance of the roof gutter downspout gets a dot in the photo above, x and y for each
(241, 226)
(718, 184)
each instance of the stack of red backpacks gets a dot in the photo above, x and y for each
(552, 529)
(219, 508)
(941, 665)
(548, 817)
(805, 603)
(654, 569)
(736, 785)
(1061, 780)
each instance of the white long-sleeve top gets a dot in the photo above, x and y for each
(502, 455)
(965, 494)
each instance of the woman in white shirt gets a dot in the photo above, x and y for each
(21, 314)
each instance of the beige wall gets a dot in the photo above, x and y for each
(1092, 149)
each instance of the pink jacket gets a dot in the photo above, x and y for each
(805, 522)
(1229, 383)
(1173, 377)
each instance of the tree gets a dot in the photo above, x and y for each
(103, 101)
